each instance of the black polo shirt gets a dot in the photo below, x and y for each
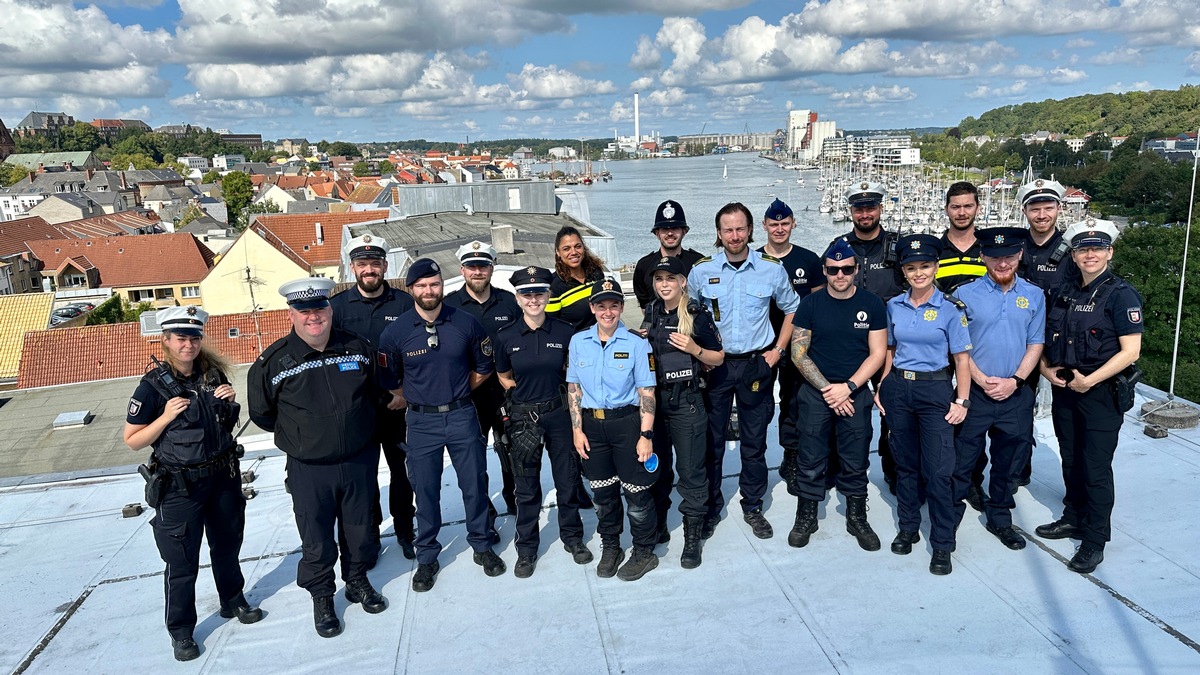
(643, 272)
(434, 376)
(499, 310)
(804, 271)
(840, 330)
(367, 317)
(537, 358)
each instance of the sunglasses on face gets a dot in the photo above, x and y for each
(834, 270)
(432, 342)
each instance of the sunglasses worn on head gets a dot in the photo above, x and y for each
(834, 270)
(432, 342)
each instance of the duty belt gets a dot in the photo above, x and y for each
(743, 357)
(610, 413)
(539, 408)
(943, 374)
(453, 405)
(209, 468)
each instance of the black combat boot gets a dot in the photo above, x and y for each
(692, 542)
(857, 525)
(641, 561)
(242, 610)
(361, 591)
(185, 649)
(611, 556)
(806, 523)
(325, 618)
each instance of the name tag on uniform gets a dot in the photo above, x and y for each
(352, 365)
(501, 318)
(714, 280)
(554, 345)
(620, 355)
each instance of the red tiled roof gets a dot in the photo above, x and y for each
(14, 234)
(110, 351)
(144, 260)
(298, 232)
(108, 225)
(364, 194)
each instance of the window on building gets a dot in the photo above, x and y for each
(190, 291)
(145, 295)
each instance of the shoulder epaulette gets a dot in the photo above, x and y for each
(770, 258)
(707, 258)
(953, 299)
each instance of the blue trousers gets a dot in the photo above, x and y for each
(754, 415)
(1009, 423)
(852, 435)
(922, 443)
(458, 433)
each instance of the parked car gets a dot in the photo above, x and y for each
(85, 306)
(67, 312)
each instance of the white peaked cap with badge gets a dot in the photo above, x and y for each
(476, 253)
(1091, 232)
(187, 320)
(307, 293)
(366, 246)
(1041, 190)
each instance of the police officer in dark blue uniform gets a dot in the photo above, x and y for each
(1008, 326)
(531, 363)
(1046, 261)
(185, 411)
(803, 269)
(435, 355)
(610, 390)
(494, 308)
(839, 341)
(1093, 337)
(925, 329)
(316, 390)
(737, 285)
(685, 342)
(879, 273)
(365, 309)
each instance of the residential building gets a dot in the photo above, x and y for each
(43, 162)
(227, 162)
(292, 146)
(129, 188)
(251, 141)
(316, 238)
(59, 208)
(164, 269)
(896, 157)
(524, 153)
(22, 272)
(111, 129)
(43, 124)
(193, 162)
(177, 131)
(1075, 144)
(20, 314)
(7, 145)
(249, 273)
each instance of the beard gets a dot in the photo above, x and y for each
(477, 285)
(429, 303)
(1003, 278)
(866, 227)
(369, 284)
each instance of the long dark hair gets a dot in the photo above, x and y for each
(591, 264)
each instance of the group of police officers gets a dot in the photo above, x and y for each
(946, 336)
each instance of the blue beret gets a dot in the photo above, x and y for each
(421, 268)
(840, 249)
(778, 211)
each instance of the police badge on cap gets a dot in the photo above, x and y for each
(421, 268)
(1041, 190)
(476, 253)
(606, 290)
(307, 293)
(366, 246)
(188, 320)
(669, 214)
(866, 194)
(997, 242)
(531, 280)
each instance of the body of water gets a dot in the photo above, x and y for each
(625, 206)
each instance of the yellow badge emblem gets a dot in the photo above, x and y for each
(963, 318)
(930, 314)
(1022, 302)
(754, 386)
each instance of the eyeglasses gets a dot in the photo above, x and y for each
(433, 336)
(834, 270)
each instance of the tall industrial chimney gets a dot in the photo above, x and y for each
(637, 124)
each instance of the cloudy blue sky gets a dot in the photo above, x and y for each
(456, 69)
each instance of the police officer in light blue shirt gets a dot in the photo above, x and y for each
(610, 392)
(924, 329)
(1007, 325)
(737, 285)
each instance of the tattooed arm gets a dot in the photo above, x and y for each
(801, 340)
(575, 404)
(646, 406)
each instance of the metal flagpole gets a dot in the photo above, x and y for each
(1183, 275)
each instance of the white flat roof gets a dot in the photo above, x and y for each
(82, 590)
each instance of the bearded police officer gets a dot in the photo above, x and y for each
(434, 356)
(494, 308)
(1093, 337)
(365, 309)
(1046, 261)
(670, 226)
(1007, 326)
(961, 262)
(838, 343)
(803, 269)
(737, 285)
(531, 363)
(315, 389)
(879, 273)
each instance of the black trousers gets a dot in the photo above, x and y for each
(1009, 425)
(1087, 426)
(612, 463)
(887, 463)
(564, 468)
(851, 441)
(393, 433)
(328, 498)
(789, 389)
(754, 416)
(681, 421)
(213, 505)
(488, 398)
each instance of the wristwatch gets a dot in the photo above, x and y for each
(781, 350)
(964, 402)
(851, 384)
(1020, 381)
(648, 435)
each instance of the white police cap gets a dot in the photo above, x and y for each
(1091, 232)
(1041, 190)
(307, 293)
(187, 320)
(476, 253)
(366, 246)
(865, 193)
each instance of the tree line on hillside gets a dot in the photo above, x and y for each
(143, 149)
(1114, 114)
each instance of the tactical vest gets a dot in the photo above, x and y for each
(200, 433)
(1038, 269)
(1078, 333)
(876, 272)
(674, 366)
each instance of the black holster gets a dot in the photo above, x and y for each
(1125, 384)
(157, 479)
(525, 444)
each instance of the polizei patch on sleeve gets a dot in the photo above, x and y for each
(135, 406)
(1135, 315)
